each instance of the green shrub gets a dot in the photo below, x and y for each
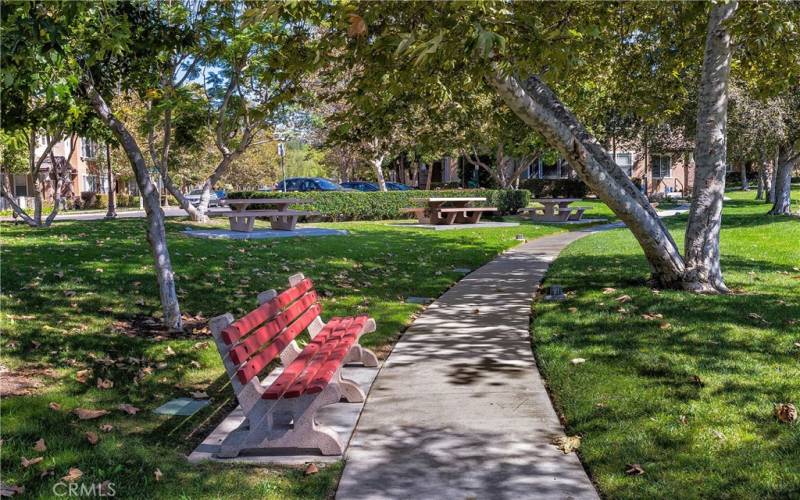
(555, 188)
(357, 205)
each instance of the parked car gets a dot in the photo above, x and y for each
(309, 184)
(361, 186)
(371, 186)
(195, 194)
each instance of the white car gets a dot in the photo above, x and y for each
(194, 198)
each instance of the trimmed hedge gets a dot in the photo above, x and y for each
(357, 205)
(555, 188)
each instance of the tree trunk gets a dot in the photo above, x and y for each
(112, 195)
(783, 182)
(156, 235)
(745, 183)
(760, 183)
(57, 176)
(773, 179)
(377, 164)
(537, 106)
(703, 271)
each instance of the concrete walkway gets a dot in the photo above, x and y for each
(459, 410)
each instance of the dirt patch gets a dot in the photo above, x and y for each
(149, 327)
(24, 381)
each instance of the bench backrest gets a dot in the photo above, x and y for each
(260, 336)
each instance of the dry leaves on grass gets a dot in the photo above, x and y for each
(623, 298)
(652, 316)
(169, 351)
(577, 361)
(573, 310)
(609, 290)
(634, 470)
(106, 427)
(7, 490)
(311, 469)
(83, 375)
(92, 437)
(40, 446)
(85, 414)
(567, 444)
(129, 409)
(786, 412)
(33, 461)
(54, 406)
(104, 383)
(200, 345)
(158, 474)
(73, 475)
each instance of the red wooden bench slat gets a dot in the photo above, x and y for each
(264, 312)
(263, 358)
(346, 337)
(297, 367)
(264, 334)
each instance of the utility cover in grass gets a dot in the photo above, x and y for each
(419, 300)
(182, 406)
(462, 270)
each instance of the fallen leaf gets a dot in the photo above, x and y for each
(84, 414)
(577, 361)
(567, 444)
(54, 406)
(9, 490)
(665, 326)
(718, 434)
(682, 419)
(33, 461)
(609, 290)
(83, 375)
(73, 475)
(129, 409)
(696, 380)
(623, 298)
(195, 364)
(786, 412)
(311, 469)
(199, 395)
(476, 311)
(106, 427)
(200, 345)
(634, 470)
(40, 446)
(104, 383)
(158, 474)
(169, 351)
(105, 488)
(573, 310)
(92, 437)
(69, 293)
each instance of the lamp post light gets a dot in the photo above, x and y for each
(281, 154)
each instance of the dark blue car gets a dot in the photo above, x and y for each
(371, 186)
(309, 184)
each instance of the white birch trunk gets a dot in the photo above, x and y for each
(783, 182)
(377, 164)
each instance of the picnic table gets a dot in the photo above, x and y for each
(447, 211)
(281, 218)
(555, 210)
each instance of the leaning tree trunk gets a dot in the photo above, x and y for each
(112, 195)
(538, 106)
(156, 235)
(703, 271)
(783, 183)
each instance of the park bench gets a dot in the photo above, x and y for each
(283, 414)
(555, 210)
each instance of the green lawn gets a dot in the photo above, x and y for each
(688, 396)
(75, 298)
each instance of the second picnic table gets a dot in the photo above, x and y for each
(281, 218)
(448, 210)
(555, 210)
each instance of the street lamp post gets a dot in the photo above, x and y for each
(281, 154)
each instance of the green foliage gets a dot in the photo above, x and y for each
(357, 205)
(549, 188)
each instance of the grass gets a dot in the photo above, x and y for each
(71, 292)
(688, 396)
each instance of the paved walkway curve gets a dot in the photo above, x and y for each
(459, 410)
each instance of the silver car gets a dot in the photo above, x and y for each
(194, 198)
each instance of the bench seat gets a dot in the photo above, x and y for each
(282, 414)
(466, 209)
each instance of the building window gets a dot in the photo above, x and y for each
(625, 162)
(89, 148)
(21, 185)
(662, 166)
(93, 183)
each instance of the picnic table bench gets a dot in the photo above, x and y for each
(283, 414)
(555, 210)
(281, 218)
(447, 211)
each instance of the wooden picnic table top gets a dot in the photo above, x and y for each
(446, 199)
(263, 201)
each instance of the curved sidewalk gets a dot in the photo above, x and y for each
(459, 409)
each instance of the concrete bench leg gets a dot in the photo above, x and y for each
(284, 222)
(577, 214)
(288, 423)
(242, 224)
(468, 217)
(351, 392)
